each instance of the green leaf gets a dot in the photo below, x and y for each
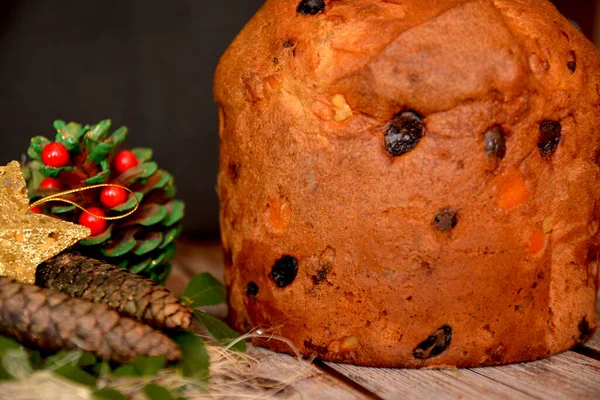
(126, 371)
(101, 238)
(16, 363)
(175, 210)
(157, 392)
(62, 209)
(7, 344)
(171, 235)
(195, 361)
(148, 243)
(149, 366)
(122, 245)
(205, 290)
(147, 215)
(100, 177)
(99, 153)
(142, 154)
(76, 358)
(108, 394)
(118, 136)
(36, 146)
(33, 175)
(86, 360)
(140, 267)
(75, 374)
(220, 331)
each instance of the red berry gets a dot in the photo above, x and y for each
(36, 210)
(112, 196)
(96, 225)
(50, 183)
(55, 155)
(124, 160)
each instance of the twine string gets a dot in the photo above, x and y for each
(58, 197)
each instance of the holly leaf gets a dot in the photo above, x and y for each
(220, 331)
(142, 154)
(108, 394)
(195, 361)
(175, 210)
(149, 366)
(122, 245)
(75, 374)
(157, 392)
(205, 290)
(36, 146)
(100, 238)
(148, 243)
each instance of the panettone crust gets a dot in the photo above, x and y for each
(477, 246)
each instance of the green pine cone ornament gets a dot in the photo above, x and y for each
(87, 155)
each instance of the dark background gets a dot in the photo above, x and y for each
(148, 64)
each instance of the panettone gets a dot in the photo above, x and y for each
(411, 183)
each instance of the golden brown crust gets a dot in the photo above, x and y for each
(305, 102)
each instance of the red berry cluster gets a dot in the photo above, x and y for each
(56, 155)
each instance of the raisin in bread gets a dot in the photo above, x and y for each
(411, 183)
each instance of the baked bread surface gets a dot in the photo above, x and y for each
(411, 183)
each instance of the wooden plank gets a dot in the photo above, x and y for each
(305, 380)
(565, 376)
(428, 384)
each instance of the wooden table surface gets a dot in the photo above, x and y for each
(574, 374)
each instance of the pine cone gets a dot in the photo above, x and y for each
(54, 321)
(143, 242)
(95, 281)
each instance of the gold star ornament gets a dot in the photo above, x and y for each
(28, 239)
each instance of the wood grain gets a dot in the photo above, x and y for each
(306, 381)
(565, 376)
(428, 384)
